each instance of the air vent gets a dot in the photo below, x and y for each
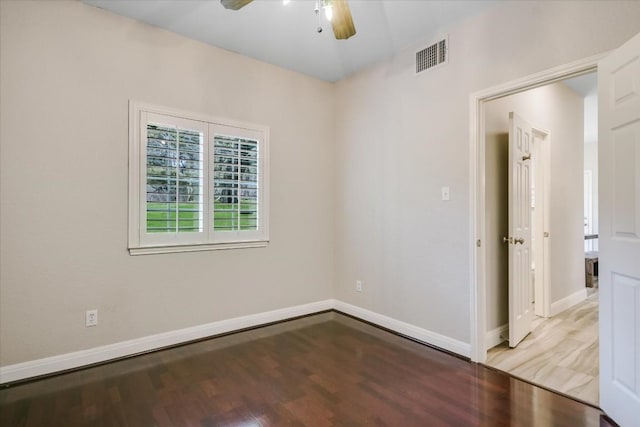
(432, 56)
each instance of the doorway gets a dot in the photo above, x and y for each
(481, 294)
(619, 114)
(546, 356)
(478, 254)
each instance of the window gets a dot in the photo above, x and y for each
(195, 183)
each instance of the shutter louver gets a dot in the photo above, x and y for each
(174, 180)
(235, 181)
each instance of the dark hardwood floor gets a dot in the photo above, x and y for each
(324, 370)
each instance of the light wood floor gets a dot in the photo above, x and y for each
(561, 353)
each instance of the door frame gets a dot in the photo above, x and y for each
(541, 253)
(588, 201)
(477, 226)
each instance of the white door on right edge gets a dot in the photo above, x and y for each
(619, 259)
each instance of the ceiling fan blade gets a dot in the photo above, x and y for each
(342, 22)
(235, 4)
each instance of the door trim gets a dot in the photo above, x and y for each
(541, 254)
(477, 207)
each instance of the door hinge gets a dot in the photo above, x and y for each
(478, 244)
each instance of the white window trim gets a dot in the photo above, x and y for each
(219, 240)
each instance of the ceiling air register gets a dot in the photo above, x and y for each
(432, 56)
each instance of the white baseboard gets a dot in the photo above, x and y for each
(497, 336)
(568, 302)
(76, 359)
(104, 353)
(415, 332)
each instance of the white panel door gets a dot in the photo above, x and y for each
(520, 304)
(619, 263)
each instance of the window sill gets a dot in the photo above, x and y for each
(166, 249)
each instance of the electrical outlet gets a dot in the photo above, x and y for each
(91, 318)
(359, 285)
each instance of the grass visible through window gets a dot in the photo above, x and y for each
(226, 216)
(165, 218)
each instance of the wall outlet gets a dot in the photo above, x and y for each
(359, 285)
(91, 318)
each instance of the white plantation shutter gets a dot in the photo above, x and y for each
(173, 183)
(175, 179)
(196, 183)
(236, 185)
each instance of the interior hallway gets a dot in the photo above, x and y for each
(561, 353)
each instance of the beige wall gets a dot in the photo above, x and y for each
(401, 137)
(558, 110)
(376, 147)
(67, 71)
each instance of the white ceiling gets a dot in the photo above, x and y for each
(585, 85)
(285, 35)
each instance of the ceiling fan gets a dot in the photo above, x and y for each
(341, 20)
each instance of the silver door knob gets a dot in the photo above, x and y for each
(518, 240)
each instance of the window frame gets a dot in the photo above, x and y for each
(140, 242)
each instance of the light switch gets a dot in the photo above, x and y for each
(445, 193)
